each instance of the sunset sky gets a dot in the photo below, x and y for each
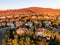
(17, 4)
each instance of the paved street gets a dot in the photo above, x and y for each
(2, 30)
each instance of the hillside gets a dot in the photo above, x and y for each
(31, 10)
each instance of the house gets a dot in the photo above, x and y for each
(29, 24)
(3, 23)
(19, 23)
(10, 24)
(40, 31)
(47, 23)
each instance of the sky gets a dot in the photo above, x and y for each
(17, 4)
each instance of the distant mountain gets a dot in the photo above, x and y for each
(30, 10)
